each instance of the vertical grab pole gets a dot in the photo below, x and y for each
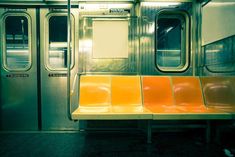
(68, 58)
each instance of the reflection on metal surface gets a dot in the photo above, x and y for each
(85, 46)
(151, 29)
(213, 51)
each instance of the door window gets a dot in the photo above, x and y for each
(57, 43)
(17, 49)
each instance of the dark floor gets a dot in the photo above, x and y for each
(110, 144)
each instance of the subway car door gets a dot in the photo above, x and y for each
(53, 67)
(18, 99)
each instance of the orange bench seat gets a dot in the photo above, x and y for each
(177, 98)
(110, 98)
(219, 93)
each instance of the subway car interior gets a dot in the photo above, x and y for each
(117, 78)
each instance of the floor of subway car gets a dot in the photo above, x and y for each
(112, 144)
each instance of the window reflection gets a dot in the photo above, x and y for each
(171, 41)
(219, 56)
(17, 42)
(58, 42)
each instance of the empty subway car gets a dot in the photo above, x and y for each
(63, 62)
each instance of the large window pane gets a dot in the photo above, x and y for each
(220, 55)
(17, 43)
(57, 42)
(171, 42)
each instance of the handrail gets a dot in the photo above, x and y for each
(68, 58)
(74, 83)
(75, 80)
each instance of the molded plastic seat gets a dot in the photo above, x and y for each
(127, 97)
(126, 91)
(185, 101)
(219, 93)
(94, 96)
(95, 91)
(115, 97)
(158, 96)
(187, 91)
(189, 99)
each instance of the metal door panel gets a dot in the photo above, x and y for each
(53, 81)
(19, 87)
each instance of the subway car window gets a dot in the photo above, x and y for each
(17, 49)
(219, 56)
(171, 42)
(57, 42)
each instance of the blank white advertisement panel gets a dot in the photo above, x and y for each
(110, 39)
(218, 21)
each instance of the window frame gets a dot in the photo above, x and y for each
(4, 58)
(185, 39)
(46, 41)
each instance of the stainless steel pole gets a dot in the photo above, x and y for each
(68, 58)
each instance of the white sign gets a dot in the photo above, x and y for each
(110, 39)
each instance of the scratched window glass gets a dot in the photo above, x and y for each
(17, 52)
